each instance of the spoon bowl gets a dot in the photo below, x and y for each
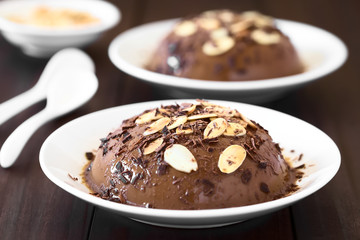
(70, 59)
(66, 92)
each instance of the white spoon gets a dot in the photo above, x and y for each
(65, 92)
(64, 60)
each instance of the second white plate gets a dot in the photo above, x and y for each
(321, 52)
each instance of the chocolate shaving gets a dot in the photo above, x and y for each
(207, 186)
(73, 178)
(126, 137)
(246, 176)
(161, 170)
(123, 179)
(135, 178)
(264, 188)
(89, 156)
(262, 164)
(301, 166)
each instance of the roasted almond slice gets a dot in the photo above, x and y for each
(226, 16)
(163, 111)
(177, 121)
(265, 38)
(152, 146)
(189, 108)
(218, 46)
(235, 129)
(231, 158)
(209, 23)
(148, 117)
(259, 19)
(215, 128)
(240, 26)
(202, 116)
(221, 111)
(156, 126)
(207, 103)
(185, 28)
(180, 158)
(219, 33)
(184, 131)
(250, 123)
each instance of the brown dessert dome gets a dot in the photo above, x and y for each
(189, 156)
(226, 46)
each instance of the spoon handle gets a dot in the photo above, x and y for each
(14, 144)
(15, 105)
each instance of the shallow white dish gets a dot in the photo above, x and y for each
(321, 52)
(63, 153)
(43, 42)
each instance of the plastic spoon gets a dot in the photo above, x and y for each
(66, 92)
(64, 60)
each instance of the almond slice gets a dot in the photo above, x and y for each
(188, 108)
(221, 111)
(227, 16)
(240, 26)
(219, 33)
(184, 131)
(215, 128)
(209, 23)
(152, 146)
(177, 121)
(250, 123)
(202, 116)
(231, 158)
(148, 117)
(157, 126)
(235, 129)
(185, 28)
(180, 158)
(265, 38)
(205, 103)
(218, 46)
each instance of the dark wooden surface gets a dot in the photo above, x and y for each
(32, 207)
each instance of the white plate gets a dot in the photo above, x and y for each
(321, 51)
(63, 153)
(43, 42)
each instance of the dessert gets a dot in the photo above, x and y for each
(189, 156)
(226, 46)
(55, 17)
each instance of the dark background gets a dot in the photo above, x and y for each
(32, 207)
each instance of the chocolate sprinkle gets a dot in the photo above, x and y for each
(89, 156)
(246, 176)
(264, 188)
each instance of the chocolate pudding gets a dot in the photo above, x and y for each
(224, 45)
(189, 156)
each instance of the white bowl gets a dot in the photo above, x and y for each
(44, 42)
(321, 52)
(63, 153)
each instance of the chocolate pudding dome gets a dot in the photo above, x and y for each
(188, 157)
(224, 45)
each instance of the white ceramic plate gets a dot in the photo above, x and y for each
(321, 51)
(63, 153)
(43, 42)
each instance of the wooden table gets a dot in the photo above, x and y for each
(32, 207)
